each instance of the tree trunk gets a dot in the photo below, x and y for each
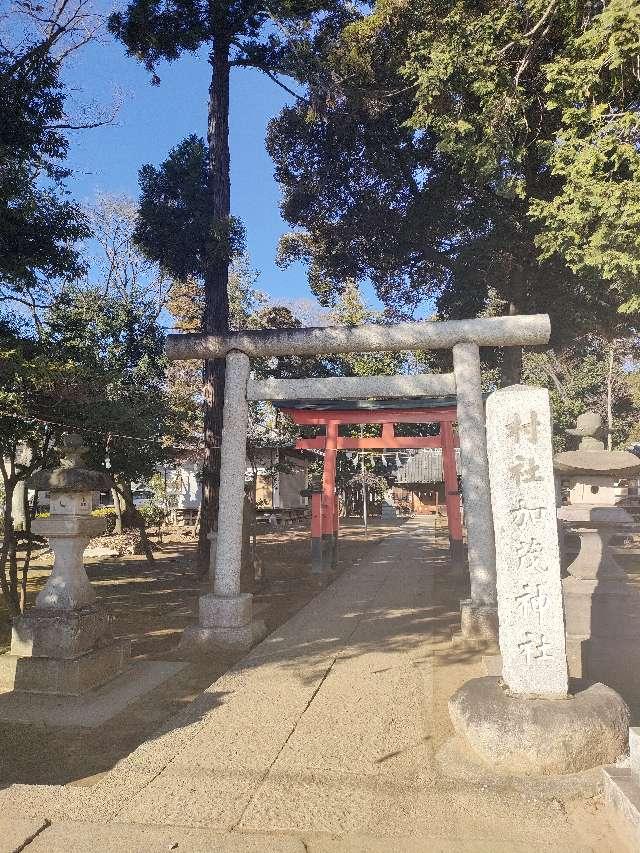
(118, 508)
(19, 501)
(9, 591)
(511, 360)
(137, 521)
(215, 319)
(19, 506)
(612, 351)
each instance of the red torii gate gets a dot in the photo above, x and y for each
(324, 506)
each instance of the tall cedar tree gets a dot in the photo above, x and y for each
(272, 37)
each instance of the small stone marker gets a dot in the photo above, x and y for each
(530, 613)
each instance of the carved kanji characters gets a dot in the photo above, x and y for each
(528, 552)
(526, 514)
(525, 470)
(534, 647)
(532, 600)
(517, 428)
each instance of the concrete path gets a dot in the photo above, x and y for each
(322, 739)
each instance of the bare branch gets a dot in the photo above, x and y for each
(58, 30)
(550, 8)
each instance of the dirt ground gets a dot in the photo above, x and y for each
(151, 605)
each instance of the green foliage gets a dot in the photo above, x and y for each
(593, 222)
(351, 310)
(109, 514)
(577, 381)
(155, 30)
(175, 226)
(475, 155)
(539, 102)
(94, 363)
(38, 226)
(154, 513)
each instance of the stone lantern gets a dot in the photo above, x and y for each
(602, 611)
(63, 645)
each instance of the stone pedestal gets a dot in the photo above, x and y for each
(622, 790)
(65, 676)
(64, 650)
(540, 736)
(602, 609)
(225, 622)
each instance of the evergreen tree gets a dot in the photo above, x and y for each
(271, 37)
(464, 154)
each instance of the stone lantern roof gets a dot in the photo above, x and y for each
(71, 476)
(591, 458)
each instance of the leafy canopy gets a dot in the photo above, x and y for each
(269, 36)
(539, 101)
(439, 162)
(175, 226)
(38, 225)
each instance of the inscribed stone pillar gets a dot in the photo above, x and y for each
(478, 615)
(532, 634)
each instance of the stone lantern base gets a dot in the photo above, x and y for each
(602, 610)
(62, 652)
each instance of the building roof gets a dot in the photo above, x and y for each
(424, 466)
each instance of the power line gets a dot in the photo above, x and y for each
(78, 428)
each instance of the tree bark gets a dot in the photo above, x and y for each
(215, 317)
(136, 520)
(19, 506)
(511, 360)
(612, 351)
(9, 592)
(117, 529)
(19, 501)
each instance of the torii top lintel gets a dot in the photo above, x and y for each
(381, 412)
(509, 331)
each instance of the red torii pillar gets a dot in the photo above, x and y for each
(451, 490)
(329, 499)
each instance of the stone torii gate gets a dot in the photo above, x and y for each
(225, 615)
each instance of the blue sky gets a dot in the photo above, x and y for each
(154, 118)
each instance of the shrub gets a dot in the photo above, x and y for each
(153, 514)
(109, 514)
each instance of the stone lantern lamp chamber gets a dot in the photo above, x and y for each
(64, 645)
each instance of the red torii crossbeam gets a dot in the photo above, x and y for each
(324, 509)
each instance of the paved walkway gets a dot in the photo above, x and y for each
(322, 739)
